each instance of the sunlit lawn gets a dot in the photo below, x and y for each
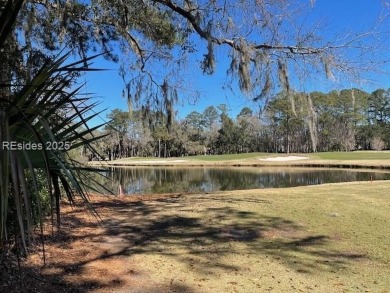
(356, 155)
(331, 238)
(328, 238)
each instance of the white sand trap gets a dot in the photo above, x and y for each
(156, 161)
(284, 159)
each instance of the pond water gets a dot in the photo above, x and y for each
(146, 180)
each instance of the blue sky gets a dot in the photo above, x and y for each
(338, 16)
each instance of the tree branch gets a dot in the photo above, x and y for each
(205, 34)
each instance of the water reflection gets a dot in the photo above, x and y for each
(144, 180)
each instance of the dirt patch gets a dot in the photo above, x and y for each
(80, 257)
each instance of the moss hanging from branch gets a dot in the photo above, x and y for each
(283, 75)
(244, 74)
(208, 64)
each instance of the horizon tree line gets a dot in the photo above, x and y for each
(345, 120)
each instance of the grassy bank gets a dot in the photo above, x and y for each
(328, 238)
(358, 159)
(358, 155)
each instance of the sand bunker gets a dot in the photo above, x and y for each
(284, 159)
(156, 161)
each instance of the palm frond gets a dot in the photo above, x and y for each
(31, 115)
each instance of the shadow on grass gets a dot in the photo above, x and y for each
(201, 239)
(164, 227)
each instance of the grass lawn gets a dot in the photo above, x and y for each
(328, 238)
(358, 155)
(253, 158)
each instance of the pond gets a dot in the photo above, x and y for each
(146, 180)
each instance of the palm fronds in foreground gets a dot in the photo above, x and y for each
(40, 122)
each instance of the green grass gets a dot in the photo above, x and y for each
(357, 155)
(372, 158)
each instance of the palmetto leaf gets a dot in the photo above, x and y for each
(30, 113)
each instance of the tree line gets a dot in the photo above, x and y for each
(343, 120)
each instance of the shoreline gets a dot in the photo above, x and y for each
(343, 164)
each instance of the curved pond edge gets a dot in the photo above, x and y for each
(364, 164)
